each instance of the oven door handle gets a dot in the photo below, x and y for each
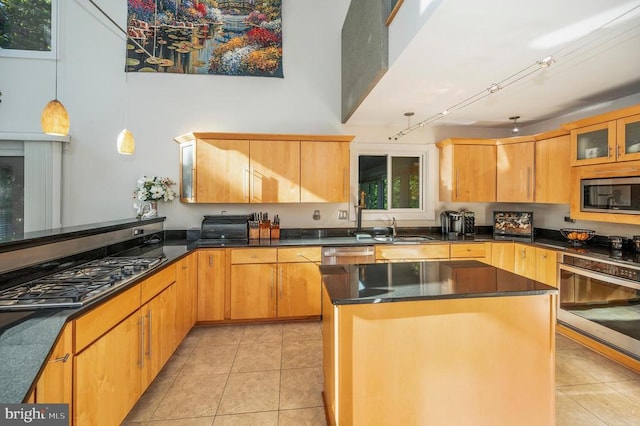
(598, 276)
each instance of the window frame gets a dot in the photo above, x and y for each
(427, 155)
(38, 54)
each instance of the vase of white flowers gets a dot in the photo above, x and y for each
(150, 190)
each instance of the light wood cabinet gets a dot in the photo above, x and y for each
(467, 170)
(253, 283)
(160, 333)
(121, 345)
(274, 283)
(219, 172)
(107, 375)
(275, 171)
(515, 180)
(55, 383)
(212, 279)
(525, 260)
(253, 291)
(547, 266)
(409, 252)
(503, 255)
(327, 181)
(552, 168)
(263, 168)
(186, 295)
(606, 138)
(471, 251)
(299, 282)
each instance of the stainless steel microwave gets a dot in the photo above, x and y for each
(611, 195)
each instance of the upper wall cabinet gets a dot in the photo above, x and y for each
(606, 138)
(467, 170)
(324, 177)
(515, 170)
(263, 168)
(552, 171)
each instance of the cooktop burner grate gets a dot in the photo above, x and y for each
(76, 286)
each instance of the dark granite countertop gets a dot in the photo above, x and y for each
(411, 281)
(27, 337)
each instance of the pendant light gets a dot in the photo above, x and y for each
(515, 118)
(126, 143)
(54, 118)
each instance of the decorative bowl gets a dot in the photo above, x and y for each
(577, 237)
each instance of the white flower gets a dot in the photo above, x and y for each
(154, 189)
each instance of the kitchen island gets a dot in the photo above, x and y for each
(437, 343)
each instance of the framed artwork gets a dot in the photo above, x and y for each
(235, 37)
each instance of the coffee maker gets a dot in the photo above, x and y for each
(454, 223)
(451, 223)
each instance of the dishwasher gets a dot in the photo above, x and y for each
(347, 255)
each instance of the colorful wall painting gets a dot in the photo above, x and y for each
(235, 37)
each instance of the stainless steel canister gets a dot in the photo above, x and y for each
(616, 243)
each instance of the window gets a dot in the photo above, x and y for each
(395, 181)
(27, 28)
(11, 195)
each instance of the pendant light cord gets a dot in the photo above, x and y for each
(120, 28)
(57, 44)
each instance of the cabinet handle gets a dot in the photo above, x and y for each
(528, 183)
(211, 260)
(456, 184)
(149, 336)
(141, 360)
(345, 183)
(280, 282)
(524, 254)
(245, 183)
(64, 358)
(193, 184)
(609, 152)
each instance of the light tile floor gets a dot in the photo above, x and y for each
(271, 374)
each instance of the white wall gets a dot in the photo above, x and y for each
(102, 100)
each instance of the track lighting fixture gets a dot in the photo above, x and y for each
(515, 118)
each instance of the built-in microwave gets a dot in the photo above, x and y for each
(611, 195)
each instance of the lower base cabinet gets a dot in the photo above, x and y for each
(55, 383)
(299, 292)
(107, 375)
(253, 291)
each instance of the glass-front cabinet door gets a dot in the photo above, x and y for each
(594, 144)
(628, 134)
(187, 171)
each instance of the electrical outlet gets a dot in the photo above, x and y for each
(342, 215)
(568, 219)
(316, 215)
(137, 231)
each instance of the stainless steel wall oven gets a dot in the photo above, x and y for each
(600, 297)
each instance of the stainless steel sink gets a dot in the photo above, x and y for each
(403, 239)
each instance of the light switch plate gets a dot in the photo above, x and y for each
(342, 215)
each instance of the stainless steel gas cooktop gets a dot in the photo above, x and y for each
(76, 286)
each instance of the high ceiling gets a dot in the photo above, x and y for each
(465, 46)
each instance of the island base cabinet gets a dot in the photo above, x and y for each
(107, 375)
(474, 361)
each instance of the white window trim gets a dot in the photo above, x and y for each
(43, 176)
(37, 54)
(428, 180)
